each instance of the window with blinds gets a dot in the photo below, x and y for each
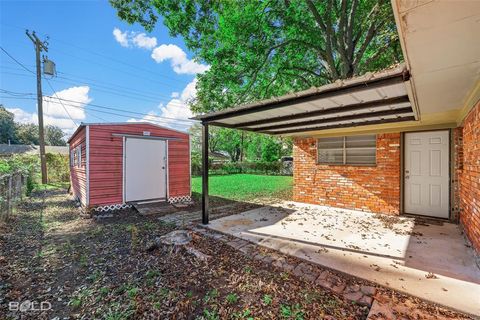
(350, 150)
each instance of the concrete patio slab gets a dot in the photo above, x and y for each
(427, 260)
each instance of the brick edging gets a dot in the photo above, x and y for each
(324, 277)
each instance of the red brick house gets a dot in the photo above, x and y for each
(401, 141)
(114, 164)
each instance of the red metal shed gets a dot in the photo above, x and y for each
(114, 164)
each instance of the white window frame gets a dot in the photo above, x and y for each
(79, 156)
(344, 149)
(76, 156)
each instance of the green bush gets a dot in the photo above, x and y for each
(58, 167)
(257, 167)
(196, 164)
(23, 163)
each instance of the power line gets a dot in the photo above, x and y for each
(99, 106)
(110, 90)
(150, 117)
(104, 107)
(127, 111)
(164, 122)
(103, 84)
(18, 62)
(109, 58)
(64, 108)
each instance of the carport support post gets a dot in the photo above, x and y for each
(204, 173)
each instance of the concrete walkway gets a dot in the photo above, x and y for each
(427, 260)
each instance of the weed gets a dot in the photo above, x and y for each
(96, 275)
(289, 312)
(78, 299)
(75, 302)
(134, 235)
(243, 315)
(114, 312)
(211, 295)
(248, 269)
(148, 226)
(164, 293)
(267, 299)
(104, 291)
(83, 260)
(210, 315)
(151, 275)
(132, 292)
(120, 290)
(231, 298)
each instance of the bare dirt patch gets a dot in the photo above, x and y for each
(100, 269)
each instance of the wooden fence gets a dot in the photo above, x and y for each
(11, 192)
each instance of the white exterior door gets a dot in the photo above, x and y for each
(145, 169)
(427, 173)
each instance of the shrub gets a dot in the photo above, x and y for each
(196, 163)
(58, 167)
(257, 167)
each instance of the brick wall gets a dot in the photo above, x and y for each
(470, 177)
(374, 189)
(457, 141)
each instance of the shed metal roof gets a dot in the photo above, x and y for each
(373, 98)
(133, 123)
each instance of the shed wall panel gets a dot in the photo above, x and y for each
(106, 161)
(78, 175)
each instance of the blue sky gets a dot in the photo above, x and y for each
(100, 61)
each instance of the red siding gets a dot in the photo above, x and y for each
(78, 176)
(106, 161)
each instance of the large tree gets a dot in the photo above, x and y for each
(7, 126)
(259, 49)
(54, 136)
(28, 134)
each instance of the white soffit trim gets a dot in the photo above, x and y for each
(441, 48)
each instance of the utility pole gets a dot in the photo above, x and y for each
(39, 47)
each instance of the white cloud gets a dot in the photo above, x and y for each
(176, 109)
(121, 37)
(22, 116)
(53, 107)
(130, 38)
(141, 40)
(54, 112)
(178, 59)
(175, 95)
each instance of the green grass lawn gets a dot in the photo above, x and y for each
(245, 186)
(51, 186)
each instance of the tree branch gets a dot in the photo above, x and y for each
(328, 43)
(372, 30)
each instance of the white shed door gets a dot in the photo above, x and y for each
(145, 169)
(427, 173)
